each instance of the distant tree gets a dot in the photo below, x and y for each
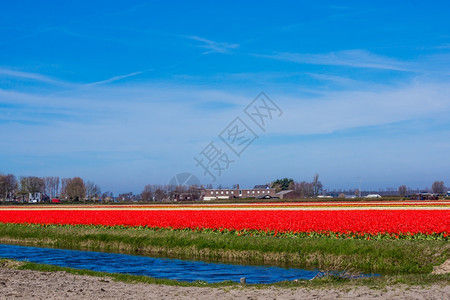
(402, 190)
(304, 189)
(438, 187)
(357, 193)
(75, 189)
(127, 197)
(107, 196)
(160, 194)
(194, 192)
(31, 184)
(283, 184)
(3, 193)
(146, 194)
(341, 195)
(209, 186)
(64, 182)
(8, 187)
(277, 187)
(317, 185)
(92, 190)
(51, 186)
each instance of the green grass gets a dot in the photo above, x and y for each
(382, 256)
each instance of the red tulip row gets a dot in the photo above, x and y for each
(269, 205)
(372, 222)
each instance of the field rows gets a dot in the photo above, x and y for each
(422, 205)
(350, 221)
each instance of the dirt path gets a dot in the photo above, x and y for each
(25, 284)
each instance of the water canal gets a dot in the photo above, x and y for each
(168, 268)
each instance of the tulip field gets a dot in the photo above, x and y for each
(362, 220)
(401, 237)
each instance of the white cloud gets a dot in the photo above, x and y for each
(30, 76)
(214, 47)
(348, 58)
(115, 78)
(332, 78)
(173, 115)
(155, 129)
(334, 111)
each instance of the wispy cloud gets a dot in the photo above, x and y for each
(342, 110)
(347, 58)
(214, 47)
(65, 87)
(114, 78)
(332, 78)
(146, 126)
(29, 76)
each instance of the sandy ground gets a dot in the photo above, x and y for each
(442, 269)
(26, 284)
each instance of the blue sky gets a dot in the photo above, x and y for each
(128, 93)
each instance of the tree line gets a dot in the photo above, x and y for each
(154, 192)
(438, 188)
(312, 189)
(72, 189)
(76, 189)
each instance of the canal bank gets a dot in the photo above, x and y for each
(167, 268)
(367, 256)
(29, 284)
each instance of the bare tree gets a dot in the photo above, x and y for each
(52, 186)
(32, 184)
(185, 193)
(278, 187)
(64, 182)
(127, 197)
(8, 187)
(304, 189)
(147, 194)
(357, 193)
(438, 187)
(75, 189)
(3, 193)
(47, 190)
(160, 194)
(317, 185)
(92, 190)
(402, 190)
(107, 196)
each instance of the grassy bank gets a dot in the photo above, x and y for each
(383, 256)
(326, 282)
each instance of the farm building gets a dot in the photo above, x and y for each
(259, 191)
